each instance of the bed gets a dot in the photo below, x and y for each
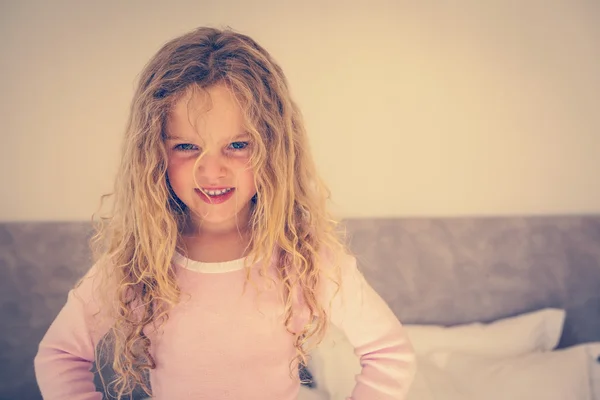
(533, 280)
(509, 359)
(496, 308)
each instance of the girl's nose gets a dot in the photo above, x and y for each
(212, 166)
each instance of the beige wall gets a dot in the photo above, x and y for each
(480, 108)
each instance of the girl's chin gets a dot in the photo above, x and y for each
(216, 219)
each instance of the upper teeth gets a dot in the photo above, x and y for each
(216, 192)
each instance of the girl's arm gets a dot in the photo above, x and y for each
(386, 355)
(65, 355)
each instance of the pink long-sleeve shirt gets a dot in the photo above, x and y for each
(222, 342)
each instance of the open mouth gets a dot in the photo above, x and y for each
(215, 196)
(219, 192)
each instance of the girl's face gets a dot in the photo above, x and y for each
(209, 159)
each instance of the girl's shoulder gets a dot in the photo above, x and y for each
(338, 269)
(339, 260)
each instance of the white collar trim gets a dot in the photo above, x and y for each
(208, 267)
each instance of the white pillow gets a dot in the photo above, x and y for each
(433, 383)
(555, 375)
(334, 365)
(524, 333)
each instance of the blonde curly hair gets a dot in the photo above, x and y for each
(135, 241)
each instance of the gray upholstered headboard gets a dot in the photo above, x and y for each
(460, 270)
(430, 270)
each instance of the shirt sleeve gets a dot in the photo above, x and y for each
(66, 353)
(386, 355)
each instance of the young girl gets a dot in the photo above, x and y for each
(218, 263)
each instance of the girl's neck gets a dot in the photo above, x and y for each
(216, 246)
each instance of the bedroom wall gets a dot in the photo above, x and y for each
(487, 108)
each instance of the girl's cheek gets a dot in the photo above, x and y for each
(240, 161)
(173, 165)
(179, 161)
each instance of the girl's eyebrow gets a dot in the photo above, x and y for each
(182, 138)
(236, 137)
(172, 137)
(240, 136)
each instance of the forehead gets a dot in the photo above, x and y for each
(209, 113)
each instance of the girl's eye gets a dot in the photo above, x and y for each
(238, 145)
(185, 147)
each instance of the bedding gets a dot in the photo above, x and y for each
(533, 331)
(554, 375)
(525, 366)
